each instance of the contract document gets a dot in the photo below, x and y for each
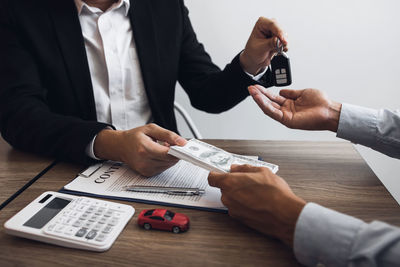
(108, 180)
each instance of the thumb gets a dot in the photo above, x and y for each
(291, 94)
(216, 179)
(161, 134)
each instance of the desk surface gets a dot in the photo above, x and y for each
(17, 168)
(330, 173)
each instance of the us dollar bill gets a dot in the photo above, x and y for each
(213, 158)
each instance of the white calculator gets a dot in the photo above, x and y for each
(71, 221)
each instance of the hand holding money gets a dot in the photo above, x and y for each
(213, 158)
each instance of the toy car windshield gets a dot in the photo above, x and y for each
(148, 213)
(169, 215)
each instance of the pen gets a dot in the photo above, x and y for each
(187, 191)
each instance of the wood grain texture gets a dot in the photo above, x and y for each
(17, 168)
(329, 173)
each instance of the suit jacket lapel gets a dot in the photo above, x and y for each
(69, 34)
(144, 33)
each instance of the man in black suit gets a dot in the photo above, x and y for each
(58, 77)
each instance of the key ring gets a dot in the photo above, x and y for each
(279, 47)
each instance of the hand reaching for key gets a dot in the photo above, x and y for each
(307, 109)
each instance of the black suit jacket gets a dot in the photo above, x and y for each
(46, 97)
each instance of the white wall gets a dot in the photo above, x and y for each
(349, 49)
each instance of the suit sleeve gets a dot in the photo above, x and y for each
(26, 121)
(209, 88)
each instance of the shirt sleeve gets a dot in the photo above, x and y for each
(377, 129)
(90, 147)
(258, 76)
(325, 237)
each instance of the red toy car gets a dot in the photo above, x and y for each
(164, 220)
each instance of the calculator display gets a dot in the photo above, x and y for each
(47, 213)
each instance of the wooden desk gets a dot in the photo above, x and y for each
(17, 168)
(330, 173)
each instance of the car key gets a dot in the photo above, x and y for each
(280, 65)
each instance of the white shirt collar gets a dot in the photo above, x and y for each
(80, 5)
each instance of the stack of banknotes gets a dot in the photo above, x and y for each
(213, 158)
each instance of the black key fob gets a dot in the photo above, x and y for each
(280, 66)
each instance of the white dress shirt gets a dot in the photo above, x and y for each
(117, 81)
(118, 87)
(324, 237)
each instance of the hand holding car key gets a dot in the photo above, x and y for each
(280, 65)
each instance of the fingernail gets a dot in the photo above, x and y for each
(180, 141)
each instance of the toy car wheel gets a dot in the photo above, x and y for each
(147, 226)
(176, 230)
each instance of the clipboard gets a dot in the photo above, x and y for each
(84, 185)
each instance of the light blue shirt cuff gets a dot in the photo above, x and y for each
(324, 236)
(358, 124)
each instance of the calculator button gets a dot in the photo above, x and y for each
(98, 227)
(70, 231)
(109, 213)
(84, 216)
(107, 229)
(91, 234)
(94, 218)
(67, 221)
(88, 225)
(51, 227)
(281, 76)
(283, 70)
(277, 71)
(91, 209)
(77, 223)
(75, 214)
(66, 213)
(104, 205)
(101, 237)
(103, 220)
(59, 229)
(113, 222)
(81, 208)
(81, 232)
(117, 215)
(86, 201)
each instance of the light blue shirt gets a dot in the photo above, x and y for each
(324, 237)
